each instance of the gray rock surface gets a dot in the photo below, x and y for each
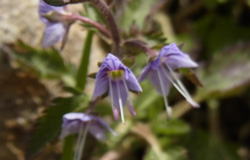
(20, 20)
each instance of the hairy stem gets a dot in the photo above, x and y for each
(86, 20)
(105, 11)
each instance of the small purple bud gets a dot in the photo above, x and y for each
(117, 80)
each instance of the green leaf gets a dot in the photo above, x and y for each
(171, 127)
(176, 153)
(91, 12)
(224, 32)
(152, 155)
(81, 78)
(50, 124)
(68, 148)
(46, 63)
(226, 75)
(135, 13)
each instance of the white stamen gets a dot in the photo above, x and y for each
(168, 108)
(180, 87)
(80, 142)
(119, 100)
(111, 95)
(120, 103)
(80, 134)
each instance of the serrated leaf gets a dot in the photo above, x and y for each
(50, 124)
(46, 63)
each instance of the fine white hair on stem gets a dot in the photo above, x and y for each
(168, 108)
(179, 86)
(81, 142)
(120, 102)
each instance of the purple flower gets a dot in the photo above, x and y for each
(161, 72)
(75, 122)
(55, 30)
(82, 123)
(116, 80)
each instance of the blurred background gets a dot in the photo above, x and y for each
(216, 34)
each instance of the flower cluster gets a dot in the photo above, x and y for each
(113, 79)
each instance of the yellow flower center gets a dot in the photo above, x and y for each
(116, 74)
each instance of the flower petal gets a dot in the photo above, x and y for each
(156, 77)
(131, 109)
(98, 132)
(118, 91)
(53, 33)
(77, 116)
(74, 122)
(113, 63)
(132, 82)
(145, 73)
(44, 8)
(101, 85)
(105, 125)
(175, 58)
(152, 66)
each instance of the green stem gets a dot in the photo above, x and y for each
(81, 78)
(83, 68)
(68, 148)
